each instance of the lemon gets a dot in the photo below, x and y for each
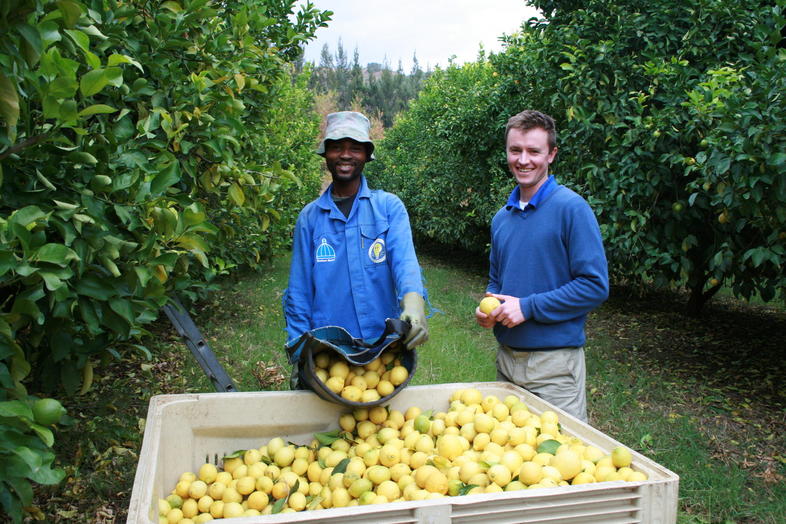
(499, 436)
(251, 456)
(174, 515)
(398, 375)
(231, 495)
(203, 504)
(436, 482)
(500, 411)
(208, 473)
(484, 423)
(359, 486)
(339, 369)
(369, 395)
(371, 378)
(197, 489)
(216, 490)
(189, 508)
(422, 423)
(217, 509)
(174, 500)
(233, 509)
(583, 478)
(499, 474)
(297, 501)
(335, 384)
(488, 304)
(489, 401)
(47, 411)
(352, 393)
(322, 360)
(284, 456)
(378, 474)
(182, 488)
(397, 471)
(468, 470)
(621, 457)
(280, 490)
(530, 473)
(637, 476)
(512, 460)
(449, 446)
(388, 489)
(593, 453)
(389, 455)
(385, 388)
(424, 444)
(568, 463)
(246, 485)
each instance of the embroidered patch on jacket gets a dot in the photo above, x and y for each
(376, 252)
(325, 252)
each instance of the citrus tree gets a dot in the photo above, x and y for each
(442, 157)
(680, 151)
(145, 147)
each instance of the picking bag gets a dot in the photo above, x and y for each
(302, 350)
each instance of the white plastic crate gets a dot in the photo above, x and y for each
(185, 431)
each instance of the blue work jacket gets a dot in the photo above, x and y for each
(351, 271)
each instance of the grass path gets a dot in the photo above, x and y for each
(702, 397)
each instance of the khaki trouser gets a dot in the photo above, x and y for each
(558, 376)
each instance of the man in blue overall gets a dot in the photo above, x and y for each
(353, 260)
(549, 269)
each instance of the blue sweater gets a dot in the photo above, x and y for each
(551, 256)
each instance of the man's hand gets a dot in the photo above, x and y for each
(413, 311)
(508, 313)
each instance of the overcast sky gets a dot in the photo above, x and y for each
(435, 30)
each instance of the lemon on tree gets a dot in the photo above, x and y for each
(47, 411)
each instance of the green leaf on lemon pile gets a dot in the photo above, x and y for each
(549, 446)
(328, 437)
(466, 488)
(314, 502)
(279, 505)
(235, 454)
(341, 467)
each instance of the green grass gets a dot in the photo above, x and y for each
(651, 385)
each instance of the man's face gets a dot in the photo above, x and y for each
(529, 158)
(345, 159)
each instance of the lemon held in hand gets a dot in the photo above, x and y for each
(488, 304)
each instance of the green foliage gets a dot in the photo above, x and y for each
(145, 148)
(443, 157)
(679, 150)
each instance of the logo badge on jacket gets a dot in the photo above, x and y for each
(325, 252)
(376, 252)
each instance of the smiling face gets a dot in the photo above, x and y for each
(529, 157)
(345, 160)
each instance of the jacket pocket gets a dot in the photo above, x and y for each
(373, 240)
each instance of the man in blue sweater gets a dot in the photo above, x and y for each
(547, 267)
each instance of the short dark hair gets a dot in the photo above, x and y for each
(529, 119)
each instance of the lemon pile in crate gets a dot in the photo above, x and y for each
(478, 444)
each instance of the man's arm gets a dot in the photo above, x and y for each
(404, 262)
(589, 285)
(406, 272)
(299, 295)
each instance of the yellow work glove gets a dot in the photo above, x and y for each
(413, 311)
